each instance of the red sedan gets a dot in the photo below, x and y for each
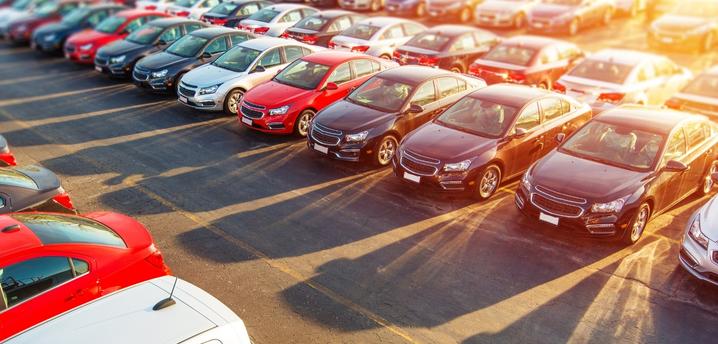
(289, 101)
(82, 46)
(51, 263)
(21, 30)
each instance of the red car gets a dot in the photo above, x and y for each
(6, 156)
(527, 60)
(287, 103)
(51, 263)
(20, 31)
(82, 46)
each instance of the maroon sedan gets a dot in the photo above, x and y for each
(527, 60)
(20, 31)
(491, 135)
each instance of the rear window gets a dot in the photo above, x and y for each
(606, 71)
(361, 31)
(429, 41)
(62, 229)
(10, 177)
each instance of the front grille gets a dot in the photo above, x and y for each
(186, 91)
(140, 75)
(560, 196)
(419, 164)
(255, 106)
(188, 85)
(325, 135)
(247, 112)
(554, 207)
(100, 60)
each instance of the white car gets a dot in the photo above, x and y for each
(274, 20)
(154, 5)
(128, 316)
(699, 247)
(612, 77)
(220, 85)
(192, 9)
(378, 36)
(358, 5)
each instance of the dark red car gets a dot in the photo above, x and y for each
(82, 46)
(51, 263)
(290, 100)
(527, 60)
(6, 156)
(20, 31)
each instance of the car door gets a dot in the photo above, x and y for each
(271, 60)
(649, 84)
(393, 36)
(426, 97)
(523, 150)
(698, 156)
(667, 183)
(673, 79)
(215, 48)
(343, 76)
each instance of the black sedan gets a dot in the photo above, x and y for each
(6, 156)
(451, 47)
(700, 95)
(230, 13)
(32, 188)
(118, 58)
(161, 71)
(320, 28)
(51, 37)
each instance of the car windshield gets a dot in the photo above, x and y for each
(110, 24)
(187, 46)
(615, 145)
(707, 9)
(224, 8)
(10, 177)
(47, 9)
(76, 16)
(480, 117)
(606, 71)
(186, 3)
(302, 74)
(63, 229)
(264, 15)
(145, 35)
(20, 4)
(237, 59)
(516, 55)
(563, 2)
(381, 94)
(704, 85)
(361, 31)
(312, 23)
(429, 41)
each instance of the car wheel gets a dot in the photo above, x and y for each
(544, 85)
(421, 10)
(519, 20)
(457, 69)
(488, 182)
(573, 27)
(385, 57)
(465, 15)
(376, 5)
(707, 42)
(707, 186)
(301, 126)
(607, 16)
(638, 224)
(385, 150)
(232, 100)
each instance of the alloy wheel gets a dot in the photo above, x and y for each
(420, 10)
(489, 182)
(233, 102)
(457, 69)
(386, 150)
(708, 181)
(303, 122)
(639, 223)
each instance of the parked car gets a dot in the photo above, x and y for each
(504, 13)
(613, 76)
(51, 263)
(5, 3)
(362, 5)
(161, 71)
(289, 101)
(320, 28)
(153, 5)
(323, 3)
(377, 36)
(274, 20)
(51, 38)
(700, 95)
(625, 167)
(160, 310)
(230, 13)
(528, 60)
(20, 9)
(220, 86)
(6, 156)
(32, 188)
(118, 58)
(699, 247)
(463, 10)
(81, 47)
(631, 7)
(657, 8)
(20, 30)
(369, 123)
(692, 25)
(569, 16)
(491, 135)
(405, 8)
(192, 9)
(451, 47)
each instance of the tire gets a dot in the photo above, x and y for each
(375, 6)
(488, 182)
(708, 183)
(607, 16)
(232, 100)
(638, 224)
(301, 125)
(519, 21)
(385, 57)
(546, 85)
(573, 27)
(457, 68)
(465, 15)
(385, 150)
(420, 10)
(708, 42)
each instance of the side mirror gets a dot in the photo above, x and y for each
(331, 86)
(206, 55)
(259, 69)
(519, 132)
(161, 42)
(560, 137)
(675, 166)
(415, 108)
(714, 176)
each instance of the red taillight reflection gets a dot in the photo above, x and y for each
(474, 69)
(611, 97)
(517, 77)
(674, 103)
(558, 87)
(331, 45)
(150, 7)
(360, 49)
(64, 200)
(428, 61)
(261, 30)
(310, 39)
(155, 259)
(284, 35)
(8, 159)
(182, 14)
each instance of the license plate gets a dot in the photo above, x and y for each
(98, 68)
(411, 177)
(321, 149)
(183, 99)
(246, 121)
(548, 218)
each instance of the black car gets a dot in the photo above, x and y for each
(161, 71)
(32, 188)
(320, 28)
(118, 58)
(451, 47)
(324, 3)
(230, 13)
(51, 37)
(690, 26)
(369, 123)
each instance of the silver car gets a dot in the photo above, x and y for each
(378, 36)
(612, 77)
(220, 85)
(503, 13)
(274, 20)
(699, 249)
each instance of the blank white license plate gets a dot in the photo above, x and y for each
(246, 121)
(548, 218)
(99, 69)
(321, 149)
(412, 177)
(184, 100)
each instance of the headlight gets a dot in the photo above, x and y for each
(279, 111)
(87, 46)
(457, 167)
(610, 207)
(209, 90)
(118, 59)
(354, 138)
(525, 181)
(160, 74)
(50, 37)
(696, 234)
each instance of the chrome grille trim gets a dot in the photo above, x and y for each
(325, 135)
(551, 212)
(560, 197)
(254, 106)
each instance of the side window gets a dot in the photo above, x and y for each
(425, 94)
(568, 52)
(133, 25)
(676, 146)
(341, 74)
(248, 9)
(393, 32)
(217, 46)
(666, 67)
(447, 87)
(565, 106)
(237, 39)
(293, 16)
(551, 108)
(695, 134)
(363, 67)
(192, 27)
(529, 117)
(549, 55)
(411, 29)
(293, 53)
(67, 8)
(483, 37)
(465, 42)
(97, 17)
(171, 34)
(308, 12)
(340, 24)
(271, 58)
(646, 73)
(25, 280)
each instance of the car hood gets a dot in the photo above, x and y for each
(44, 178)
(121, 47)
(709, 220)
(53, 28)
(162, 60)
(672, 22)
(443, 143)
(209, 75)
(568, 174)
(266, 94)
(350, 117)
(88, 36)
(550, 11)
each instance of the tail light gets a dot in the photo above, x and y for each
(428, 61)
(182, 14)
(284, 35)
(611, 97)
(310, 39)
(8, 159)
(64, 200)
(360, 48)
(474, 69)
(261, 30)
(397, 54)
(517, 77)
(674, 103)
(331, 45)
(155, 259)
(150, 7)
(559, 87)
(242, 27)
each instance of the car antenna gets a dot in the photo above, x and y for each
(168, 301)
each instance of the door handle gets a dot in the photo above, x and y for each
(539, 139)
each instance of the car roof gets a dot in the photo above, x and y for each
(382, 21)
(536, 42)
(653, 119)
(622, 56)
(510, 94)
(164, 22)
(135, 13)
(334, 13)
(21, 240)
(287, 7)
(452, 30)
(213, 31)
(332, 57)
(414, 74)
(264, 43)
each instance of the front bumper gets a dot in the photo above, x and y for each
(671, 41)
(355, 5)
(402, 9)
(80, 56)
(352, 152)
(698, 261)
(445, 10)
(209, 102)
(142, 79)
(548, 26)
(18, 37)
(494, 20)
(282, 124)
(40, 44)
(103, 66)
(426, 173)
